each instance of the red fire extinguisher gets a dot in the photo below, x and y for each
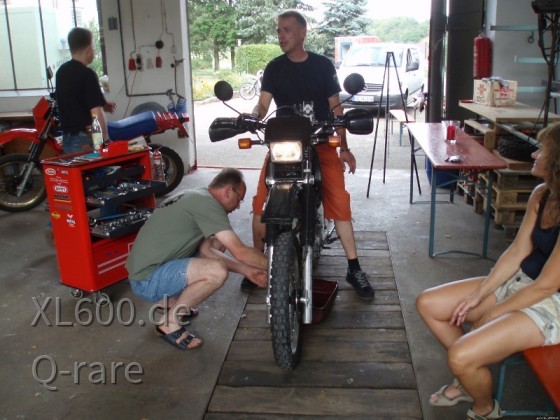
(482, 62)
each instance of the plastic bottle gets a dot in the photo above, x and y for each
(96, 133)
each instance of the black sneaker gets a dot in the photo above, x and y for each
(358, 280)
(247, 284)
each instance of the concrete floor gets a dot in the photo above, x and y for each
(179, 385)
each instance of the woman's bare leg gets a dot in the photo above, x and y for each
(470, 355)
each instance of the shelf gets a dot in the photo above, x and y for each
(107, 176)
(124, 192)
(511, 128)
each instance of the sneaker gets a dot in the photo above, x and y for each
(358, 280)
(247, 284)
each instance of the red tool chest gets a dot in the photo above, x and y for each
(97, 205)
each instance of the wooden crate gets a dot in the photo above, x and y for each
(512, 179)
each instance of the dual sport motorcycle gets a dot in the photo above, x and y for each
(295, 231)
(22, 185)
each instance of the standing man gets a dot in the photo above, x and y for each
(178, 256)
(290, 79)
(78, 94)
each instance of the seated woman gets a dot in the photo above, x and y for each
(515, 307)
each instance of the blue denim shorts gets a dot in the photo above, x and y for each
(168, 279)
(546, 313)
(75, 143)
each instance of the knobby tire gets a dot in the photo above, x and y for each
(285, 308)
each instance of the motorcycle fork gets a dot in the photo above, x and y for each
(34, 152)
(307, 248)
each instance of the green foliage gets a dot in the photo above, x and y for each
(342, 18)
(233, 78)
(97, 64)
(212, 27)
(251, 58)
(400, 29)
(256, 19)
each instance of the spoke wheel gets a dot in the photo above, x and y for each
(285, 306)
(247, 91)
(12, 168)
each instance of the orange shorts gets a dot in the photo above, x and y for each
(336, 200)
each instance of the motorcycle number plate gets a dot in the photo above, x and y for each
(363, 98)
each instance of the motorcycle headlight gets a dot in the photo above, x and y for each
(286, 152)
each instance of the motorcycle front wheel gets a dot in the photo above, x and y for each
(247, 91)
(12, 171)
(285, 306)
(173, 168)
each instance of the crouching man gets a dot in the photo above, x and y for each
(179, 254)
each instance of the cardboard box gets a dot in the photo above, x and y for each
(495, 92)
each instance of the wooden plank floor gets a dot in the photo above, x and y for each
(356, 363)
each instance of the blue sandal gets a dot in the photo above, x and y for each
(172, 338)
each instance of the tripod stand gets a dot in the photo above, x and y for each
(389, 59)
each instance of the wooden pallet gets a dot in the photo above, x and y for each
(355, 359)
(511, 179)
(512, 215)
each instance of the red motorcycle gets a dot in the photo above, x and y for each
(21, 177)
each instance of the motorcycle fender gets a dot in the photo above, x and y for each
(279, 207)
(19, 133)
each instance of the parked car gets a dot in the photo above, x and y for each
(369, 61)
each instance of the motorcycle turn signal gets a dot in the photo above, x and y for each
(334, 141)
(244, 143)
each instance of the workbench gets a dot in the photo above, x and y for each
(493, 120)
(430, 138)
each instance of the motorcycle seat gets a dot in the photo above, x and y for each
(131, 127)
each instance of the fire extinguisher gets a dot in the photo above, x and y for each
(482, 59)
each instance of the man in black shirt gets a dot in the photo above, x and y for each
(78, 94)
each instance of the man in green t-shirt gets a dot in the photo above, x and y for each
(179, 254)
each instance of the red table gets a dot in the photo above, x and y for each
(472, 155)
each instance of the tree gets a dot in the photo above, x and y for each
(400, 29)
(343, 18)
(257, 18)
(212, 27)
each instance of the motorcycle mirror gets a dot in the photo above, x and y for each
(354, 83)
(223, 91)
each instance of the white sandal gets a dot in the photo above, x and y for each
(496, 413)
(441, 400)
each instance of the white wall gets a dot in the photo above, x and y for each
(509, 47)
(133, 89)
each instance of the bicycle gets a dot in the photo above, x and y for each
(249, 90)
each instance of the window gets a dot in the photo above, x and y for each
(33, 37)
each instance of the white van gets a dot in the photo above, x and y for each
(369, 61)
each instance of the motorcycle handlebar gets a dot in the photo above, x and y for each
(356, 121)
(225, 128)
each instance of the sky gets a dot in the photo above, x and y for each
(382, 9)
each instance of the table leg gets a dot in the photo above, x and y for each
(487, 213)
(412, 147)
(433, 212)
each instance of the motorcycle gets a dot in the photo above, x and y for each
(295, 231)
(21, 177)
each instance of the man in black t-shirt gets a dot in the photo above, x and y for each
(300, 76)
(78, 94)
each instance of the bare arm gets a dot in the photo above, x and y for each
(508, 263)
(346, 155)
(263, 105)
(213, 248)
